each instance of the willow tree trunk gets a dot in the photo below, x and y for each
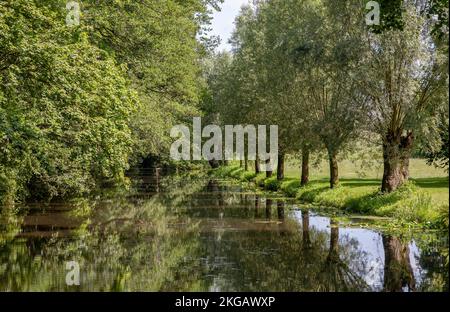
(396, 153)
(280, 166)
(268, 169)
(305, 167)
(334, 169)
(397, 266)
(257, 168)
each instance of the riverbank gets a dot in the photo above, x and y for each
(412, 204)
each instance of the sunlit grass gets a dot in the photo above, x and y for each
(433, 180)
(354, 170)
(424, 199)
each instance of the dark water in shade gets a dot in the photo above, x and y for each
(180, 234)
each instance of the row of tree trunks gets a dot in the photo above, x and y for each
(397, 150)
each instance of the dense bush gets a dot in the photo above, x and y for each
(64, 108)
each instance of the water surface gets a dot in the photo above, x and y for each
(179, 234)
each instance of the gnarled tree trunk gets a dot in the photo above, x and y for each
(305, 167)
(397, 150)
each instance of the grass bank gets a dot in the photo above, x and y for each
(422, 201)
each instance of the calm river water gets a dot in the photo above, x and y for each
(186, 234)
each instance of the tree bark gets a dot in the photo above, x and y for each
(334, 169)
(305, 167)
(246, 162)
(268, 172)
(397, 266)
(396, 153)
(257, 168)
(280, 167)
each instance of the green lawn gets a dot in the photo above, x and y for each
(433, 180)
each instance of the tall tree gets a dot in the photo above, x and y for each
(405, 76)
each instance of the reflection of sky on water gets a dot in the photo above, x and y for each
(370, 243)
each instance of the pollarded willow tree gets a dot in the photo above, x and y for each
(405, 76)
(325, 64)
(324, 77)
(238, 89)
(283, 85)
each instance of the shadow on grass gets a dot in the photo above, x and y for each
(373, 202)
(312, 191)
(440, 182)
(290, 186)
(360, 182)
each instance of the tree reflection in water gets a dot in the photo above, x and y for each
(198, 235)
(398, 273)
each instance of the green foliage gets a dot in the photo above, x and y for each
(248, 176)
(78, 105)
(64, 107)
(386, 83)
(439, 157)
(272, 184)
(260, 179)
(156, 42)
(290, 187)
(390, 16)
